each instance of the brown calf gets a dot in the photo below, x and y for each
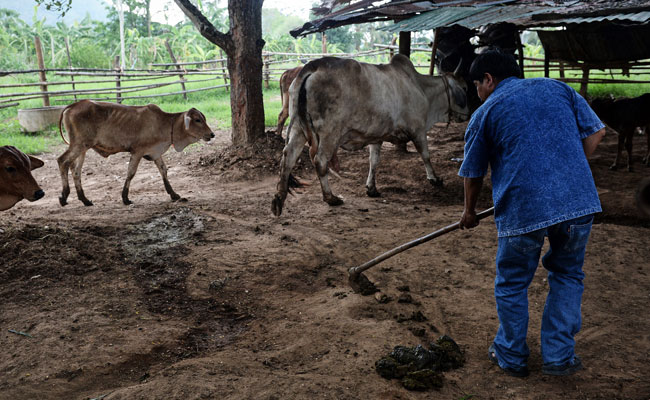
(16, 180)
(143, 131)
(285, 81)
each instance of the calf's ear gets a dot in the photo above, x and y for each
(187, 120)
(35, 162)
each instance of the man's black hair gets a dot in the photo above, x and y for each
(497, 63)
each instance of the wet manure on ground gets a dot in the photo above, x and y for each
(419, 368)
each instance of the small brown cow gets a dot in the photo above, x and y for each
(109, 128)
(285, 81)
(16, 180)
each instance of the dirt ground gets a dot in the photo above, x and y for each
(215, 298)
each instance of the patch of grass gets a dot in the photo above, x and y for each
(29, 143)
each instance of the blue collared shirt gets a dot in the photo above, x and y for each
(530, 132)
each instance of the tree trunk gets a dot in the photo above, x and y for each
(245, 68)
(147, 4)
(243, 47)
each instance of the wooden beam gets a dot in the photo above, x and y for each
(405, 43)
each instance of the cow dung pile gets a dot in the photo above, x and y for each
(419, 368)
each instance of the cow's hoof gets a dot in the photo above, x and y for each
(182, 200)
(87, 203)
(372, 192)
(127, 202)
(436, 182)
(63, 201)
(334, 201)
(276, 205)
(175, 197)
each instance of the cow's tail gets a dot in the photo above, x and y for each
(299, 116)
(61, 121)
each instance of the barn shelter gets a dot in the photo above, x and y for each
(584, 35)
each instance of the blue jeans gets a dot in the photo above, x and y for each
(517, 259)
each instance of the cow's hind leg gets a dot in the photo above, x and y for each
(133, 167)
(162, 168)
(371, 188)
(420, 142)
(65, 161)
(619, 150)
(321, 162)
(629, 137)
(76, 176)
(646, 159)
(290, 154)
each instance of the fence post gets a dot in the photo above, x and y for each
(585, 81)
(41, 73)
(118, 69)
(434, 50)
(547, 65)
(225, 70)
(267, 72)
(178, 68)
(67, 51)
(520, 51)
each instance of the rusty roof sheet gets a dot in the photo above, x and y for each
(469, 17)
(414, 15)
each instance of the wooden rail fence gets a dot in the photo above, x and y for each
(118, 82)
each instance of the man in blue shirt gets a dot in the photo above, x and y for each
(536, 135)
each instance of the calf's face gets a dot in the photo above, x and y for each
(196, 125)
(16, 180)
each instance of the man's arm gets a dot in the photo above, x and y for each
(472, 189)
(590, 143)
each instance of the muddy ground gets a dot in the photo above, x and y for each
(215, 298)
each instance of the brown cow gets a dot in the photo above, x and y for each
(285, 81)
(16, 180)
(143, 131)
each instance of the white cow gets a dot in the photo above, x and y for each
(341, 102)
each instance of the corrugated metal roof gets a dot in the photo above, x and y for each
(469, 17)
(637, 18)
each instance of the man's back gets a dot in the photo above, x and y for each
(530, 131)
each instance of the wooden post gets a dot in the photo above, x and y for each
(41, 73)
(520, 51)
(561, 69)
(434, 49)
(547, 63)
(267, 72)
(67, 52)
(178, 67)
(585, 81)
(324, 43)
(405, 43)
(225, 70)
(118, 69)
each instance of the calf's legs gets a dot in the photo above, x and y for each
(133, 167)
(162, 168)
(74, 155)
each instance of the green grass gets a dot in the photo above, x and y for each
(36, 143)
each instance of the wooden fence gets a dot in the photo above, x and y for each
(120, 81)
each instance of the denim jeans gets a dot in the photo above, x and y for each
(517, 259)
